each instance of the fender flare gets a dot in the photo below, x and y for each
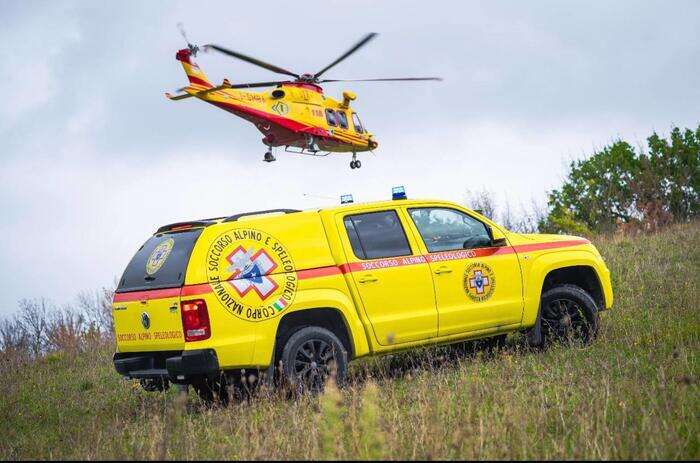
(312, 299)
(542, 266)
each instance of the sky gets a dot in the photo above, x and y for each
(94, 158)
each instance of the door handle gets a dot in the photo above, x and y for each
(443, 269)
(368, 279)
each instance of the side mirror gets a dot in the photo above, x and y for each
(497, 237)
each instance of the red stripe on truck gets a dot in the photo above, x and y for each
(376, 264)
(318, 272)
(195, 290)
(146, 295)
(550, 245)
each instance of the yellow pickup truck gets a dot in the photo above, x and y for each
(298, 293)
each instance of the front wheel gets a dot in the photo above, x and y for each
(568, 314)
(312, 356)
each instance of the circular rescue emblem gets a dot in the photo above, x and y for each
(479, 281)
(251, 274)
(159, 255)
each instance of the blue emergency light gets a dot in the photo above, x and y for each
(398, 192)
(346, 199)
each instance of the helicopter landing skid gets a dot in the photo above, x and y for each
(306, 152)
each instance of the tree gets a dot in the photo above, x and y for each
(617, 186)
(481, 201)
(675, 166)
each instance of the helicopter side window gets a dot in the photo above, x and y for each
(356, 122)
(331, 117)
(342, 119)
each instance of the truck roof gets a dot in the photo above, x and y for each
(177, 226)
(385, 203)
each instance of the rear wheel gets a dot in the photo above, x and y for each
(568, 314)
(312, 356)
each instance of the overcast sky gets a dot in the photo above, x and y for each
(94, 158)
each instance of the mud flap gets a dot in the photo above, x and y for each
(534, 335)
(270, 371)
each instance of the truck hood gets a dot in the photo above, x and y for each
(547, 238)
(527, 238)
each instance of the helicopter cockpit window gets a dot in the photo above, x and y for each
(331, 117)
(342, 119)
(356, 122)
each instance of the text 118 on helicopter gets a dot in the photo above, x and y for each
(295, 114)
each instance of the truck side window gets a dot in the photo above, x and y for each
(342, 119)
(354, 238)
(331, 117)
(356, 122)
(445, 229)
(378, 235)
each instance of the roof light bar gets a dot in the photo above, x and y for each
(398, 192)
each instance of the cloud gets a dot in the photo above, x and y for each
(94, 158)
(29, 64)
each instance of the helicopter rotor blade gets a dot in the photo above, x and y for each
(352, 50)
(393, 79)
(227, 86)
(259, 84)
(181, 28)
(251, 60)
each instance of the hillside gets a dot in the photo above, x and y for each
(632, 394)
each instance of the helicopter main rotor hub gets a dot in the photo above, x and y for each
(307, 78)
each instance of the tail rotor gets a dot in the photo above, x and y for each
(194, 49)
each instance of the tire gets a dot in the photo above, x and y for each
(568, 315)
(311, 356)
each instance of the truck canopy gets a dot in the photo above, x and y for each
(169, 252)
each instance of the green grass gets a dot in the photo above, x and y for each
(632, 394)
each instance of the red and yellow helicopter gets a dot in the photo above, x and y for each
(295, 114)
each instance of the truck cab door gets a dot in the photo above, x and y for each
(478, 285)
(391, 277)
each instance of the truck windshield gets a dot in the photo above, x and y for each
(160, 263)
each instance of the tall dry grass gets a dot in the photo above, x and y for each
(631, 394)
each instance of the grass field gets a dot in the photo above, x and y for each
(632, 394)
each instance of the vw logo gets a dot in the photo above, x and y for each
(145, 320)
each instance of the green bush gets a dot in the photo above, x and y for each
(619, 186)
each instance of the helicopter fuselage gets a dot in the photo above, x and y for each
(291, 114)
(294, 114)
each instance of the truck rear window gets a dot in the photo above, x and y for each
(160, 263)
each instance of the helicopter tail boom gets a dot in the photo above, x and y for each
(194, 73)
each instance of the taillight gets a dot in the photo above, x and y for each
(195, 320)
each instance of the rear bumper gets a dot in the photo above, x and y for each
(177, 366)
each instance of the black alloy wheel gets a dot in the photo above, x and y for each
(311, 357)
(568, 315)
